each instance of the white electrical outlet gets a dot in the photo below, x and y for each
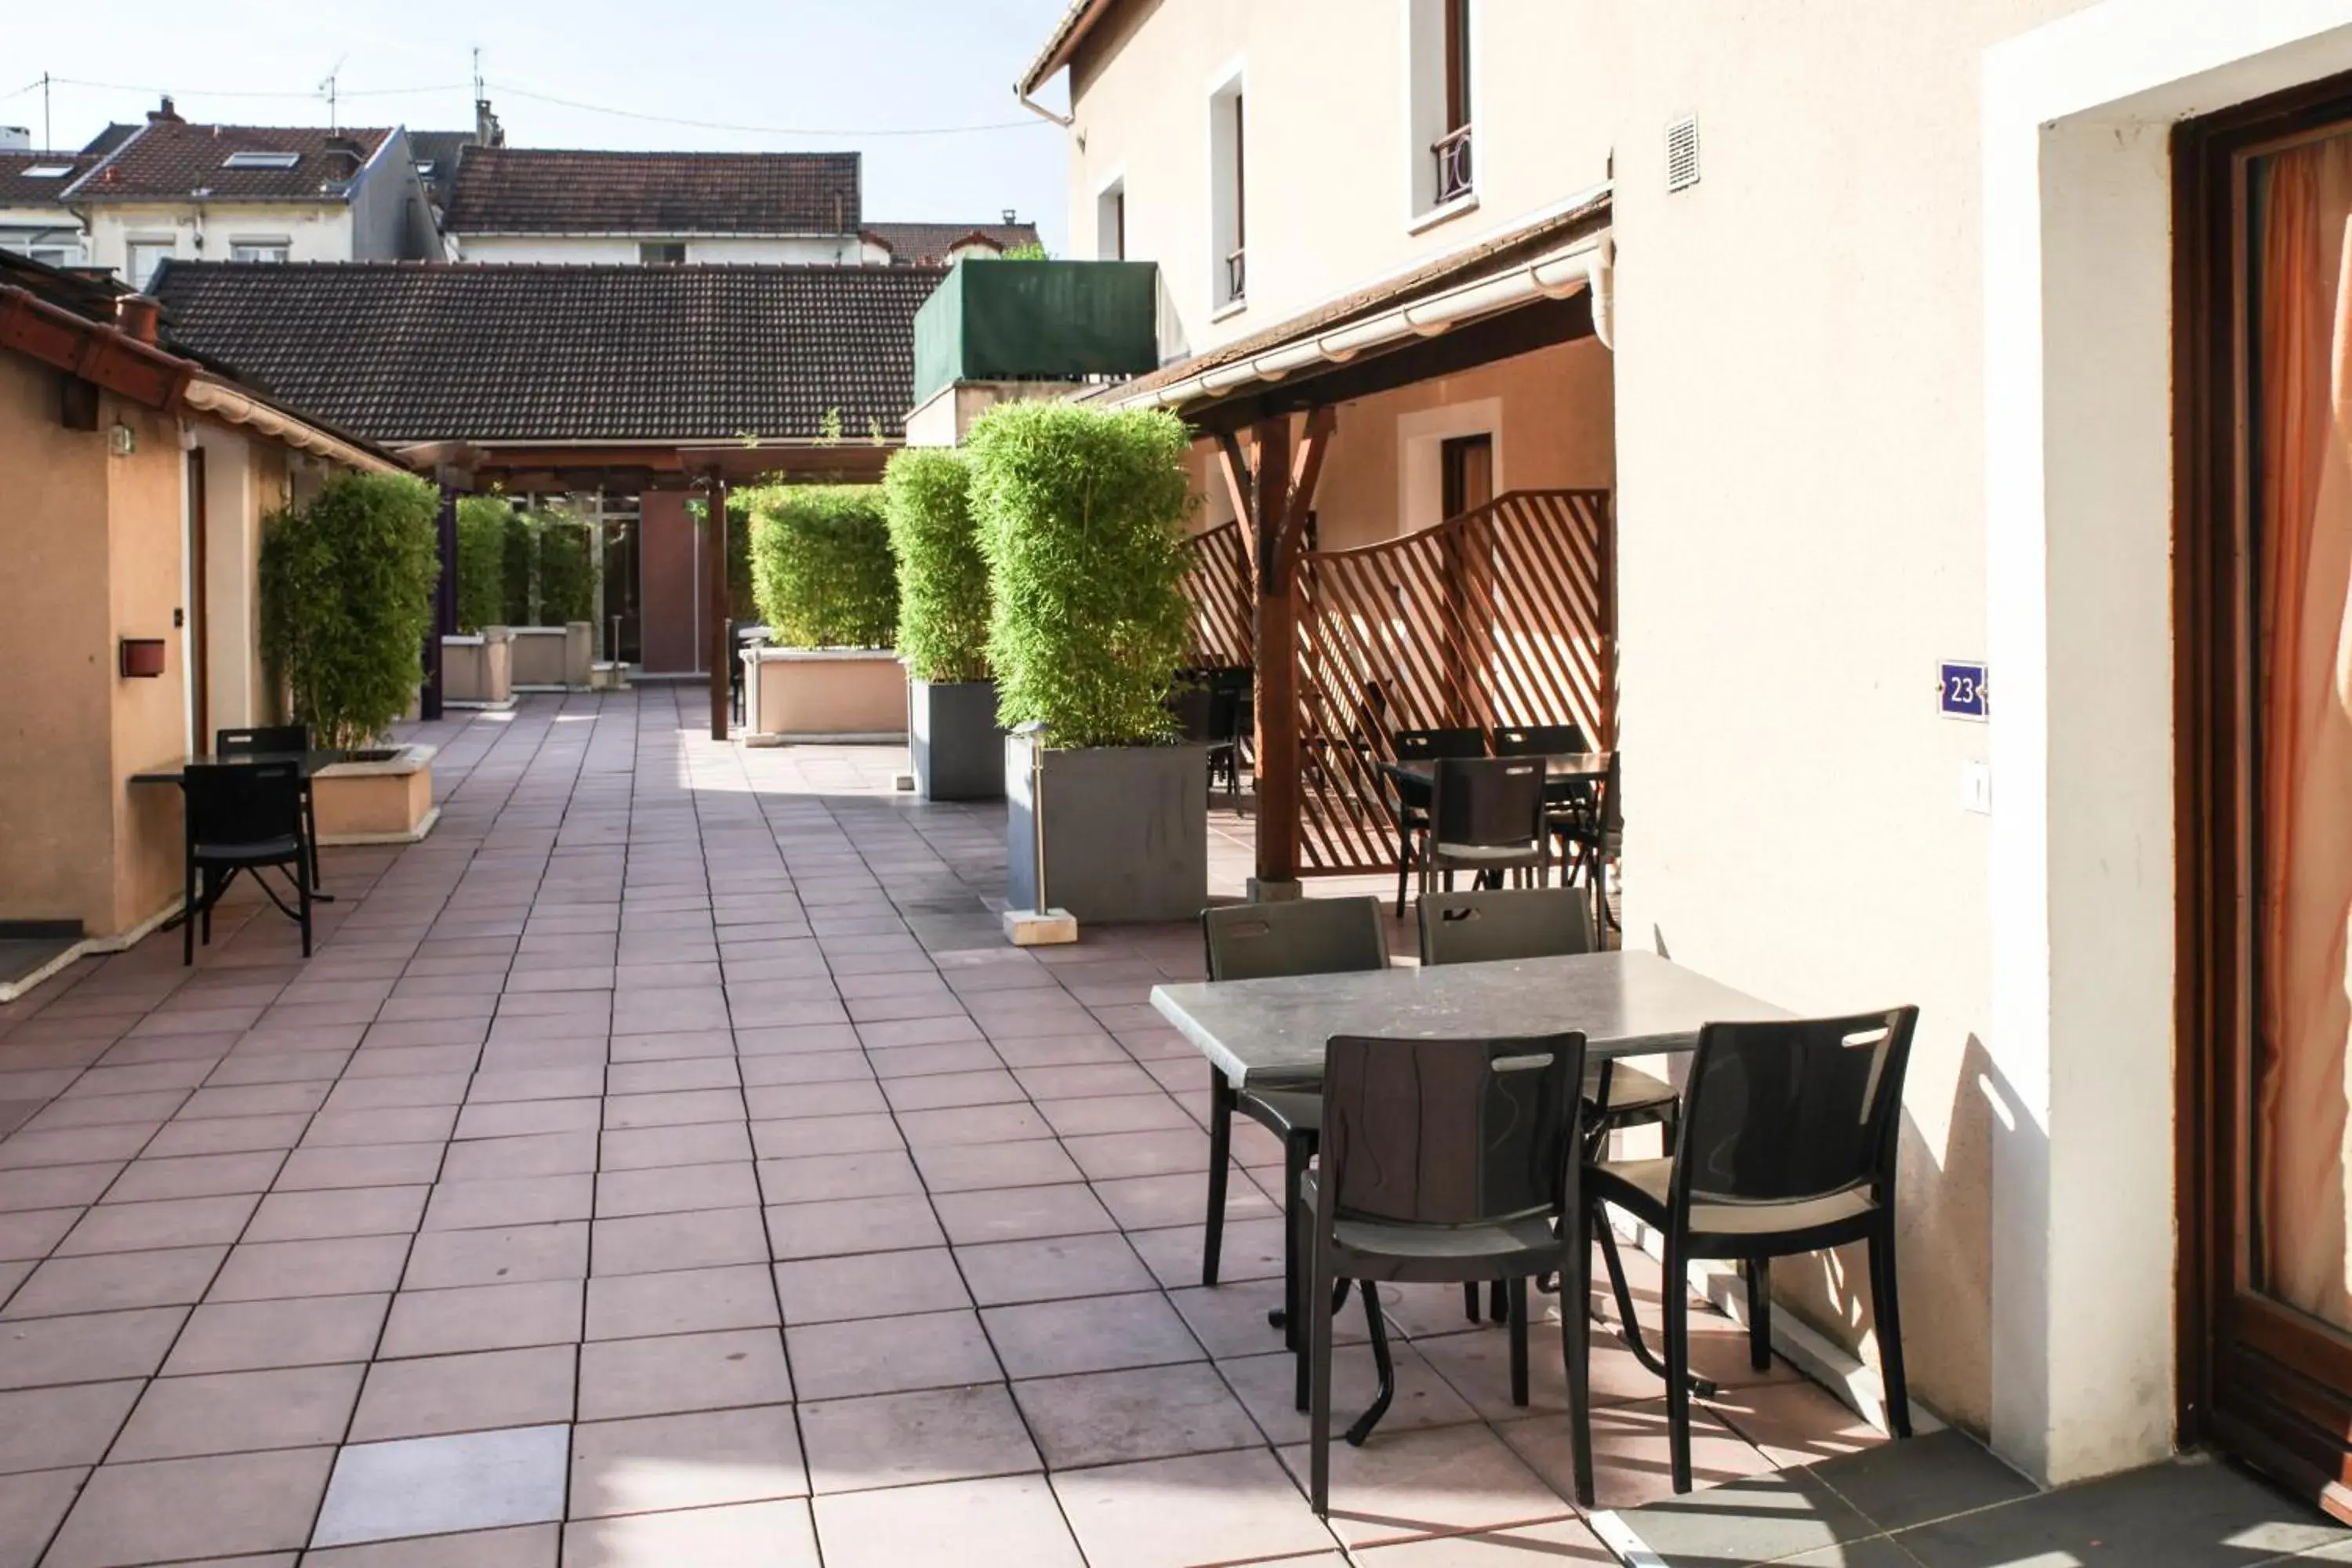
(1975, 788)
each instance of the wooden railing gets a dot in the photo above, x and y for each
(1505, 614)
(1217, 583)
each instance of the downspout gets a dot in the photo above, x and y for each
(1021, 96)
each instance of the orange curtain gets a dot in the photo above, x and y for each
(2302, 498)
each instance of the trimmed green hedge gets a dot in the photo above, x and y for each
(548, 575)
(482, 523)
(346, 584)
(821, 566)
(942, 576)
(1082, 521)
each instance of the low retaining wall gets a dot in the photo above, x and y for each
(824, 694)
(478, 671)
(383, 801)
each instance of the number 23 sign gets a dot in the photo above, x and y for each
(1961, 691)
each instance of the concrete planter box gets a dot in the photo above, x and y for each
(953, 741)
(1126, 830)
(818, 694)
(478, 671)
(552, 658)
(379, 800)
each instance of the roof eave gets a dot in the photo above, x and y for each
(1080, 20)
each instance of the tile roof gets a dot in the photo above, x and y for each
(16, 191)
(927, 243)
(491, 352)
(171, 158)
(534, 190)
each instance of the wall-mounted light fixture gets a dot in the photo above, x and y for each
(140, 658)
(122, 440)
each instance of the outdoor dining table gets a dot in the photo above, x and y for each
(1563, 771)
(1271, 1034)
(312, 762)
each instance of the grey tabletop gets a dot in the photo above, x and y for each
(171, 772)
(1626, 1003)
(1559, 767)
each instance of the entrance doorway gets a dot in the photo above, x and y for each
(2263, 624)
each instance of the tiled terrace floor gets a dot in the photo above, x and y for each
(668, 1164)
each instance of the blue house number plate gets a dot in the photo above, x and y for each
(1962, 693)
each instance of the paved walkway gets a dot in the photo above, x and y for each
(668, 1164)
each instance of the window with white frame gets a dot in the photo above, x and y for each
(1110, 222)
(141, 256)
(662, 252)
(271, 248)
(1441, 115)
(1228, 196)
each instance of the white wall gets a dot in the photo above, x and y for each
(313, 231)
(815, 249)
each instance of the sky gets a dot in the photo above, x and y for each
(759, 76)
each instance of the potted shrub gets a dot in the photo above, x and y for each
(953, 741)
(1081, 518)
(476, 669)
(826, 586)
(347, 586)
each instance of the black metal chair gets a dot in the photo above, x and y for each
(1486, 815)
(1256, 942)
(1788, 1145)
(1539, 740)
(1445, 1161)
(1502, 924)
(279, 741)
(242, 818)
(1598, 842)
(1411, 814)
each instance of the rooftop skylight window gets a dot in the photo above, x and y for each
(261, 160)
(46, 171)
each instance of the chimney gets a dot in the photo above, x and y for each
(344, 156)
(166, 114)
(138, 317)
(488, 131)
(1012, 215)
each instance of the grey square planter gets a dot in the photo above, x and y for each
(953, 741)
(1126, 830)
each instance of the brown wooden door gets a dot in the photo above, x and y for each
(2263, 474)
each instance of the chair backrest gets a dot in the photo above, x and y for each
(1194, 708)
(1427, 745)
(1613, 800)
(1792, 1110)
(1450, 1132)
(1297, 936)
(1539, 740)
(249, 804)
(264, 740)
(1487, 801)
(1503, 923)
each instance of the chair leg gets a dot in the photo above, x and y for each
(1497, 1306)
(1296, 1225)
(1404, 864)
(1470, 1303)
(188, 917)
(1319, 1380)
(1519, 1295)
(1886, 1308)
(1383, 1362)
(1678, 1392)
(1576, 1349)
(1760, 1312)
(1221, 1144)
(1295, 1153)
(302, 893)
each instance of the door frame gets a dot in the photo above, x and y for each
(2237, 1383)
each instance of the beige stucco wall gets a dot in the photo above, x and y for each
(146, 498)
(56, 788)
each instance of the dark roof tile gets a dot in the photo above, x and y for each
(171, 158)
(927, 243)
(533, 190)
(17, 191)
(488, 352)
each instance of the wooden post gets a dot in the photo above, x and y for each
(445, 591)
(1277, 664)
(722, 631)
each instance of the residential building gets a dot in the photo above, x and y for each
(244, 192)
(595, 382)
(138, 485)
(1926, 347)
(33, 218)
(543, 204)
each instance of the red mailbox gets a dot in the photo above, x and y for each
(142, 658)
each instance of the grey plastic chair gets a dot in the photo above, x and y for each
(1486, 815)
(1788, 1145)
(1259, 941)
(1502, 924)
(272, 741)
(237, 819)
(1412, 811)
(1445, 1161)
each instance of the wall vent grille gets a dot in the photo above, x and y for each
(1681, 154)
